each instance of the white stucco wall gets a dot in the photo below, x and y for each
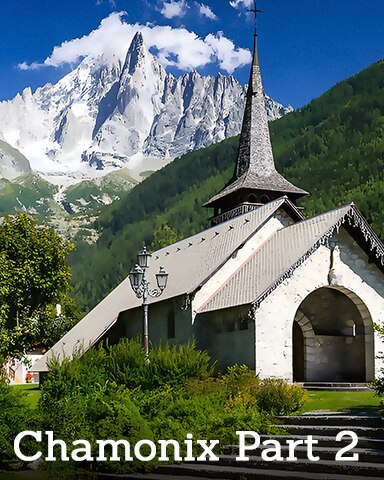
(274, 318)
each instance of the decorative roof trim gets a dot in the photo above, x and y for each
(354, 218)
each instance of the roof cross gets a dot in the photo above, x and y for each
(255, 11)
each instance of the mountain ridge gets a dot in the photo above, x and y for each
(109, 114)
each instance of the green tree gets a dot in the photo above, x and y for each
(34, 278)
(163, 236)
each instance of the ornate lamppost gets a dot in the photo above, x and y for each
(140, 285)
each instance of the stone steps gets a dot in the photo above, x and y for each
(323, 428)
(207, 472)
(332, 431)
(336, 386)
(363, 469)
(334, 420)
(325, 453)
(326, 441)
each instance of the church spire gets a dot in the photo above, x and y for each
(255, 180)
(255, 149)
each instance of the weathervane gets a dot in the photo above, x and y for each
(255, 11)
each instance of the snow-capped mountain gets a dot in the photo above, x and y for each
(109, 114)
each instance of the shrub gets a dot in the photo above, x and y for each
(91, 411)
(15, 416)
(378, 384)
(167, 365)
(277, 397)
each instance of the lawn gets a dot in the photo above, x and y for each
(352, 402)
(31, 393)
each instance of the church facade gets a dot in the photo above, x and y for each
(290, 297)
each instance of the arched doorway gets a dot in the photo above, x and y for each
(333, 338)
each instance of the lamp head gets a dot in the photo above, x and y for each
(136, 276)
(143, 258)
(162, 278)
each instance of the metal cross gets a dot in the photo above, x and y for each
(255, 11)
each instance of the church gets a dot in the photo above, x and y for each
(264, 286)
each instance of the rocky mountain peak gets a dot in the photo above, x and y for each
(106, 115)
(136, 53)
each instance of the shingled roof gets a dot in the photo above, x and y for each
(288, 248)
(255, 167)
(190, 263)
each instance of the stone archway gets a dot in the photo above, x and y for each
(333, 338)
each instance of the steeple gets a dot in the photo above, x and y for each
(255, 180)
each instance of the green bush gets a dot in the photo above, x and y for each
(278, 397)
(167, 365)
(90, 411)
(378, 384)
(172, 413)
(113, 392)
(15, 417)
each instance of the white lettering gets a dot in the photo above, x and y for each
(189, 444)
(83, 454)
(141, 457)
(115, 450)
(208, 450)
(310, 442)
(53, 443)
(176, 450)
(242, 445)
(275, 451)
(16, 446)
(292, 444)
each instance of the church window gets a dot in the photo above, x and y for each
(264, 199)
(252, 198)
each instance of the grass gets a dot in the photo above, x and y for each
(31, 393)
(350, 402)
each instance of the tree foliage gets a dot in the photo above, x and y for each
(163, 236)
(34, 276)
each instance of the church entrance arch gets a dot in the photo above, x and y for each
(333, 338)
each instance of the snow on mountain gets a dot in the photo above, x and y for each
(109, 114)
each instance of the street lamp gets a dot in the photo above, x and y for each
(140, 286)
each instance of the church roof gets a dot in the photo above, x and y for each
(190, 263)
(255, 166)
(251, 180)
(287, 249)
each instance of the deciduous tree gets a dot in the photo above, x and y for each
(34, 278)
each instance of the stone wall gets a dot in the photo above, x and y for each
(352, 274)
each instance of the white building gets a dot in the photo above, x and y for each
(290, 297)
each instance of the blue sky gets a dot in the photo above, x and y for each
(305, 46)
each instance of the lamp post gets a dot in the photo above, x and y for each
(140, 285)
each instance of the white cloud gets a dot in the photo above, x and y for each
(206, 11)
(241, 3)
(228, 56)
(174, 8)
(177, 47)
